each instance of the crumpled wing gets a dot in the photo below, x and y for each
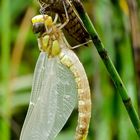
(53, 98)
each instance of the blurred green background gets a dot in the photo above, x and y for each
(117, 22)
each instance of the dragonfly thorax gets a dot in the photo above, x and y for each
(49, 45)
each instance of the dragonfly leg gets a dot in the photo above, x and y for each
(42, 9)
(40, 3)
(55, 19)
(77, 46)
(67, 17)
(40, 43)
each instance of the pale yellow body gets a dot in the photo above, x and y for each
(53, 42)
(69, 59)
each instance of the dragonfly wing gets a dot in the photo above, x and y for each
(38, 77)
(52, 103)
(66, 90)
(36, 87)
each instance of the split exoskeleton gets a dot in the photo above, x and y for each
(68, 16)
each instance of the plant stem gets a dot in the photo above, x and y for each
(109, 65)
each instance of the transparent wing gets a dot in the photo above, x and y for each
(36, 87)
(53, 98)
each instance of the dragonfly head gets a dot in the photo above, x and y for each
(47, 39)
(41, 23)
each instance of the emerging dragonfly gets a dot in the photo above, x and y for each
(68, 16)
(59, 78)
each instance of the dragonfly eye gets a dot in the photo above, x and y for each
(38, 27)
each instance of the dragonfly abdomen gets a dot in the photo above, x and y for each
(69, 59)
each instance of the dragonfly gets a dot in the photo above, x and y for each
(68, 16)
(59, 82)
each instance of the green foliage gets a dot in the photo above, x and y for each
(19, 55)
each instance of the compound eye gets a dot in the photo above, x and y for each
(38, 27)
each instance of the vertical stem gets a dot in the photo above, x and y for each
(5, 50)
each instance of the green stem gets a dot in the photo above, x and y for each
(5, 50)
(109, 65)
